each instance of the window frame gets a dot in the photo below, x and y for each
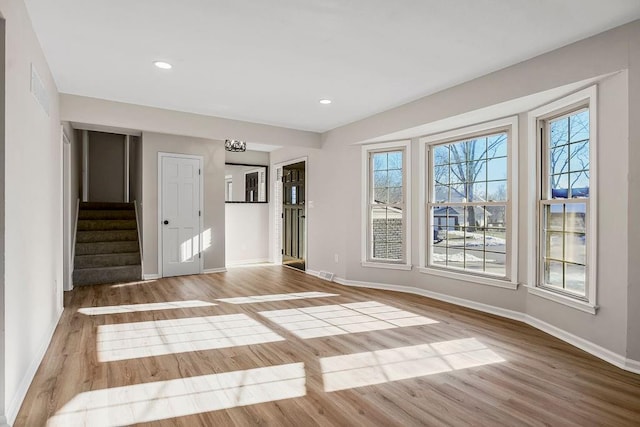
(539, 189)
(510, 126)
(367, 259)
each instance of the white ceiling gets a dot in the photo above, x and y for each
(272, 61)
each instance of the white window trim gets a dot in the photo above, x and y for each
(512, 205)
(562, 299)
(365, 260)
(588, 97)
(469, 277)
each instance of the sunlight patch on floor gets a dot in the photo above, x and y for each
(160, 400)
(378, 367)
(133, 308)
(159, 337)
(124, 285)
(276, 297)
(328, 320)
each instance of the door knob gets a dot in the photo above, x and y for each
(165, 222)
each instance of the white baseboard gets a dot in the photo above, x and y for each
(591, 348)
(247, 261)
(18, 398)
(632, 366)
(214, 270)
(509, 314)
(153, 276)
(313, 273)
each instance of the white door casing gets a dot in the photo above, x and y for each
(180, 214)
(67, 227)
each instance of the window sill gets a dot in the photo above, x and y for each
(480, 280)
(389, 266)
(565, 300)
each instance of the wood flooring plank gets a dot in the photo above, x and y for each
(539, 380)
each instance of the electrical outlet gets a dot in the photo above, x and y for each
(336, 258)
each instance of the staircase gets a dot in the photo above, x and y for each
(107, 249)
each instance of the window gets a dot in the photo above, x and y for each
(565, 198)
(468, 209)
(386, 205)
(564, 202)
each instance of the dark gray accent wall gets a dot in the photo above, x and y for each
(106, 167)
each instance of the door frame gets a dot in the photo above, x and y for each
(276, 243)
(160, 243)
(67, 226)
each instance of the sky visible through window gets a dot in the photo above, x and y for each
(472, 170)
(387, 177)
(569, 156)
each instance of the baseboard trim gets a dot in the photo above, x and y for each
(18, 398)
(247, 261)
(632, 366)
(154, 276)
(585, 345)
(313, 273)
(581, 343)
(214, 270)
(509, 314)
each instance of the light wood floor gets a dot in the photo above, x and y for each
(460, 367)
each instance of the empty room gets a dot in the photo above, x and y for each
(332, 213)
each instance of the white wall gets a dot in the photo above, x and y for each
(249, 157)
(246, 232)
(92, 111)
(3, 404)
(247, 225)
(214, 212)
(33, 210)
(633, 300)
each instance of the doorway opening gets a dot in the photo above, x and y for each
(294, 215)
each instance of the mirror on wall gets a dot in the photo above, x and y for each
(245, 183)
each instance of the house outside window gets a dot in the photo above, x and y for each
(470, 225)
(386, 205)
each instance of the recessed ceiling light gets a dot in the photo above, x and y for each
(163, 65)
(325, 101)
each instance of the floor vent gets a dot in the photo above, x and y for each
(326, 275)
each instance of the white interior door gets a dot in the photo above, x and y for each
(180, 215)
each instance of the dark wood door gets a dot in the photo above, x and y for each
(251, 187)
(293, 216)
